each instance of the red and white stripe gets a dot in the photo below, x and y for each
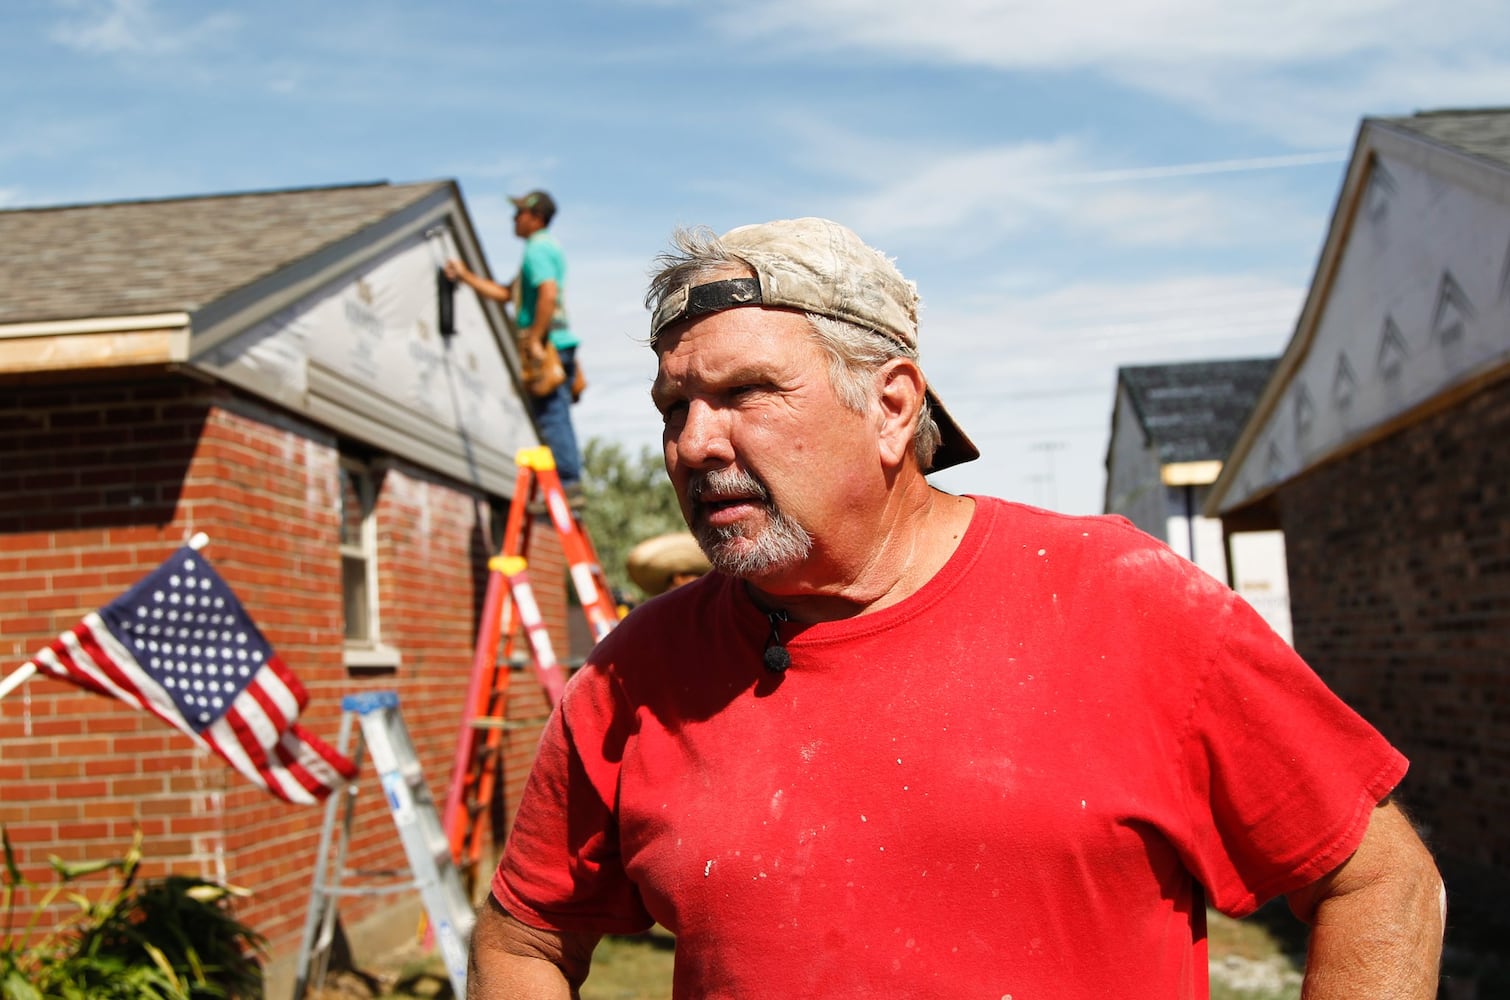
(258, 735)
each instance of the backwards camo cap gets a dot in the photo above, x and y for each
(819, 267)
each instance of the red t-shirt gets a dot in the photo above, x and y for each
(1011, 784)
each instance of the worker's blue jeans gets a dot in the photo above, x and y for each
(553, 417)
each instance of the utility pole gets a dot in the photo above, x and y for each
(1048, 448)
(1039, 481)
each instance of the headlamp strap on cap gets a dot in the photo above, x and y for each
(719, 295)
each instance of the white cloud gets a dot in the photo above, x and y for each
(1052, 34)
(985, 197)
(1062, 329)
(42, 137)
(1304, 70)
(511, 169)
(1205, 168)
(1320, 109)
(999, 188)
(287, 82)
(133, 27)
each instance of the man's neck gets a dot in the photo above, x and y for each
(917, 539)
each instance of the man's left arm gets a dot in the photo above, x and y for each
(1377, 919)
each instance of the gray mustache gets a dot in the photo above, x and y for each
(727, 481)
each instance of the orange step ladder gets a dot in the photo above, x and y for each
(509, 607)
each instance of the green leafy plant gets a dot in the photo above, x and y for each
(173, 938)
(629, 500)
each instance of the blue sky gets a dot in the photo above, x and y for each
(1073, 186)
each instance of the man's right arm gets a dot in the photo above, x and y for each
(458, 271)
(512, 959)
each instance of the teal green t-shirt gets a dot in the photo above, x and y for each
(544, 261)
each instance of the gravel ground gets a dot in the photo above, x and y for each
(1272, 977)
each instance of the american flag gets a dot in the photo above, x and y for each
(180, 645)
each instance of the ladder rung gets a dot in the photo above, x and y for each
(354, 892)
(489, 722)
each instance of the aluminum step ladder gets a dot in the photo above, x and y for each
(431, 870)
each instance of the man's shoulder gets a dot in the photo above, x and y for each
(1122, 551)
(685, 635)
(543, 254)
(542, 242)
(1019, 519)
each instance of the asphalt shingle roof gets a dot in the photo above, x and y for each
(1484, 132)
(142, 257)
(1193, 412)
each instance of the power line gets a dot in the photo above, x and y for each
(1036, 431)
(1088, 390)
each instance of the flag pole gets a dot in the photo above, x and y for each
(24, 672)
(19, 676)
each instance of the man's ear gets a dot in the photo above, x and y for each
(901, 388)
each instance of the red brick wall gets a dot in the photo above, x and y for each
(98, 483)
(1400, 588)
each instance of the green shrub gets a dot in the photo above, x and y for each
(173, 938)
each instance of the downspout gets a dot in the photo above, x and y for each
(1190, 519)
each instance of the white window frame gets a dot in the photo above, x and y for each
(370, 652)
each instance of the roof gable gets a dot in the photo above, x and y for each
(1409, 307)
(328, 302)
(1192, 412)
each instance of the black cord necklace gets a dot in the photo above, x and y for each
(776, 657)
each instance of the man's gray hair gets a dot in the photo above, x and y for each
(856, 353)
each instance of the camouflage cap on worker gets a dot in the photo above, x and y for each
(819, 267)
(540, 204)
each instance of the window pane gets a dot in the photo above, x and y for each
(352, 508)
(354, 587)
(498, 513)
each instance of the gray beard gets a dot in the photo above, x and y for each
(778, 544)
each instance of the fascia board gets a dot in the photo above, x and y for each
(94, 343)
(1346, 210)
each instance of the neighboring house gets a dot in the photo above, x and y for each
(286, 372)
(1172, 426)
(1381, 447)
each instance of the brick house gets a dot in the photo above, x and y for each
(1381, 447)
(1172, 425)
(286, 372)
